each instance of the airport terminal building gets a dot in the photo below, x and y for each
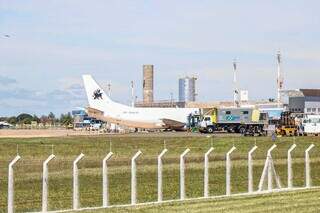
(305, 101)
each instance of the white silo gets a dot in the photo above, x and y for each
(187, 89)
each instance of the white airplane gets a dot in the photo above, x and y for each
(103, 108)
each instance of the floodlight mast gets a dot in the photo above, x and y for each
(279, 78)
(132, 94)
(235, 89)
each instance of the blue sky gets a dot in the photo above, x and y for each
(52, 43)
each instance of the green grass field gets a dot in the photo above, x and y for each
(34, 151)
(302, 201)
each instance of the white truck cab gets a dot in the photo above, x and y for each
(206, 121)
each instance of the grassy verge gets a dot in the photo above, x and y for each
(300, 201)
(34, 151)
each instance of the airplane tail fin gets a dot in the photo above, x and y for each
(97, 98)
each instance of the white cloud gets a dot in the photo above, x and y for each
(4, 80)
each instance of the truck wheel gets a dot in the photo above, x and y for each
(210, 129)
(242, 130)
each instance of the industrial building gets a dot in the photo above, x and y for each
(304, 101)
(187, 89)
(161, 104)
(148, 92)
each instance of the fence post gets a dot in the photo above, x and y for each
(270, 167)
(206, 173)
(160, 174)
(105, 182)
(11, 184)
(228, 171)
(307, 162)
(182, 168)
(133, 178)
(45, 182)
(250, 173)
(268, 171)
(290, 166)
(76, 203)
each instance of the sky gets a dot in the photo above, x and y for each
(52, 43)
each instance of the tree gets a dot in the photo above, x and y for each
(66, 119)
(44, 119)
(51, 118)
(12, 120)
(36, 118)
(24, 118)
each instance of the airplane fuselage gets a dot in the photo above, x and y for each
(133, 116)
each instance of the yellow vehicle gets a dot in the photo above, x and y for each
(287, 131)
(287, 125)
(70, 126)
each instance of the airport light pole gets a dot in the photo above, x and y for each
(235, 89)
(132, 94)
(279, 78)
(109, 89)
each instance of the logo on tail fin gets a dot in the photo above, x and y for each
(97, 94)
